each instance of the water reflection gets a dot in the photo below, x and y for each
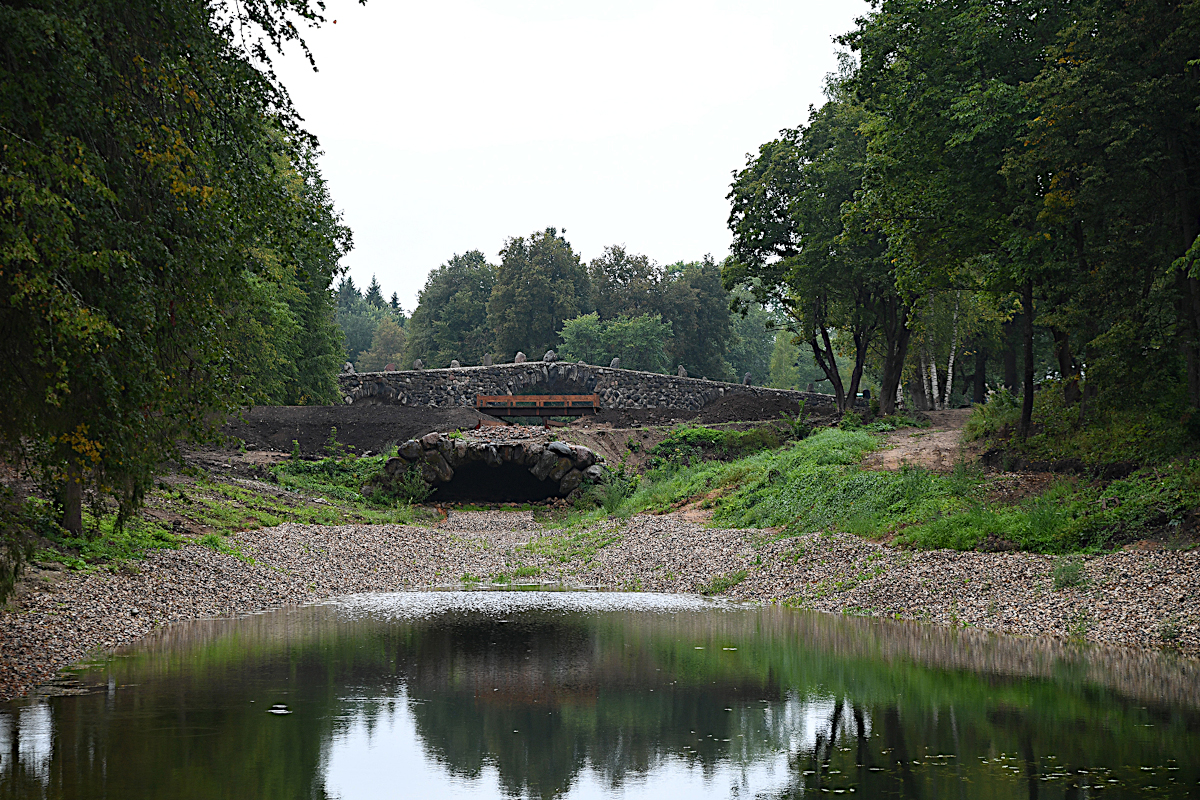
(603, 695)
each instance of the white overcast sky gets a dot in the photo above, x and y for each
(449, 126)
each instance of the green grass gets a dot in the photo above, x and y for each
(571, 545)
(690, 445)
(102, 541)
(723, 583)
(817, 485)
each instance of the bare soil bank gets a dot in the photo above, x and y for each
(366, 428)
(1142, 600)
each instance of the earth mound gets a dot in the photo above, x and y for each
(364, 428)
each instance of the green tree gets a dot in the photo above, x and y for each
(752, 339)
(374, 294)
(140, 152)
(387, 347)
(696, 304)
(584, 340)
(450, 321)
(638, 341)
(624, 283)
(540, 283)
(794, 246)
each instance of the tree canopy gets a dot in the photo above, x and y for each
(167, 243)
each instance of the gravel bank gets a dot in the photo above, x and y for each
(1134, 598)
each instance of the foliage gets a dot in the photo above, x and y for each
(21, 522)
(387, 347)
(450, 321)
(1068, 572)
(1110, 432)
(723, 583)
(752, 338)
(1000, 413)
(696, 304)
(540, 283)
(637, 341)
(688, 445)
(792, 247)
(155, 183)
(343, 478)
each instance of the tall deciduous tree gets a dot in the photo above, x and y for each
(140, 183)
(795, 246)
(541, 282)
(450, 321)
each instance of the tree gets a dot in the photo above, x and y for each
(697, 306)
(387, 347)
(624, 283)
(356, 318)
(374, 295)
(540, 283)
(797, 246)
(752, 339)
(450, 321)
(140, 151)
(638, 341)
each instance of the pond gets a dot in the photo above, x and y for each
(603, 695)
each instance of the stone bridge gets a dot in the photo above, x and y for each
(617, 388)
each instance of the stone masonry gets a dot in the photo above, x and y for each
(617, 388)
(437, 456)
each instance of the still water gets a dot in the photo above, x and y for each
(603, 695)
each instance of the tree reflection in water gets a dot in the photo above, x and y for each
(543, 695)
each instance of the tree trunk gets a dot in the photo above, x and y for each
(1010, 358)
(979, 393)
(953, 352)
(930, 372)
(1027, 326)
(1067, 368)
(896, 336)
(73, 502)
(824, 356)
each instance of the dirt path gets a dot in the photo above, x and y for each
(937, 448)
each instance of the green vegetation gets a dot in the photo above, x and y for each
(638, 341)
(1068, 572)
(817, 485)
(572, 545)
(168, 242)
(689, 445)
(723, 583)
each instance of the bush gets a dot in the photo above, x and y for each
(685, 446)
(19, 524)
(1000, 413)
(1068, 572)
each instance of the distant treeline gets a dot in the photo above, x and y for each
(543, 296)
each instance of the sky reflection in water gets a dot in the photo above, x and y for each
(602, 695)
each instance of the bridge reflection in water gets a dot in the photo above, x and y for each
(545, 694)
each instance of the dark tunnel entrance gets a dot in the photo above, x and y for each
(506, 483)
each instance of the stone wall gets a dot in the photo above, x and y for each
(617, 388)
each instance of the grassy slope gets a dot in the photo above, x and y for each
(817, 484)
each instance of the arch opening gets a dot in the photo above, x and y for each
(505, 483)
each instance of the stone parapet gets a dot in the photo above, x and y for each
(616, 388)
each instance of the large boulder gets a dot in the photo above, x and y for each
(570, 482)
(544, 464)
(560, 469)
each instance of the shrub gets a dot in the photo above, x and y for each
(1001, 412)
(1068, 572)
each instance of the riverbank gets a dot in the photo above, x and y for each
(1140, 599)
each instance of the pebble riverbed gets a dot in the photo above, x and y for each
(1141, 599)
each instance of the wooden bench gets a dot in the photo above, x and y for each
(537, 405)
